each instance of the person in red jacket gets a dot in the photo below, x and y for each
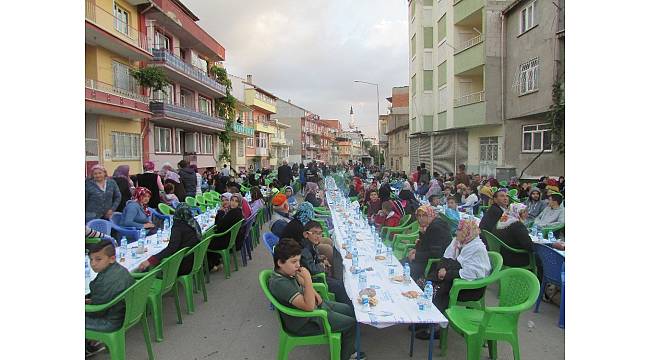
(388, 215)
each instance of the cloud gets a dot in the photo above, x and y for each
(310, 51)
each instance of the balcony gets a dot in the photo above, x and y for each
(107, 31)
(260, 101)
(102, 98)
(243, 130)
(470, 58)
(468, 44)
(281, 142)
(171, 115)
(465, 8)
(261, 151)
(469, 99)
(187, 74)
(472, 114)
(265, 127)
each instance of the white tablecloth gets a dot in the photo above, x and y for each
(393, 307)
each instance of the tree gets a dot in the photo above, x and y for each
(226, 107)
(375, 154)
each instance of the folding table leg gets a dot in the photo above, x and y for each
(357, 341)
(412, 338)
(431, 342)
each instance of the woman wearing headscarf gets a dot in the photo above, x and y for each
(257, 199)
(170, 176)
(102, 195)
(407, 199)
(434, 238)
(186, 233)
(511, 230)
(136, 212)
(124, 183)
(291, 198)
(434, 188)
(228, 216)
(466, 257)
(151, 180)
(311, 189)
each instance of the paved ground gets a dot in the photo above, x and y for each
(236, 323)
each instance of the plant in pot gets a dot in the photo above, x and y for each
(151, 78)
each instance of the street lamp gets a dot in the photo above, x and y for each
(378, 129)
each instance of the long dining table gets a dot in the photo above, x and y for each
(392, 308)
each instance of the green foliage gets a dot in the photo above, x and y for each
(226, 108)
(374, 153)
(367, 144)
(556, 116)
(151, 77)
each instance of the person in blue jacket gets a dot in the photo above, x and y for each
(136, 211)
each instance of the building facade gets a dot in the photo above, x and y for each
(184, 124)
(280, 144)
(534, 60)
(397, 130)
(455, 85)
(115, 106)
(292, 115)
(332, 131)
(243, 127)
(262, 102)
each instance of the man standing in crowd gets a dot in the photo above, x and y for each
(285, 174)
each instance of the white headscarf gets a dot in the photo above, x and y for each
(511, 216)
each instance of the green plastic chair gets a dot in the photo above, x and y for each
(257, 228)
(322, 211)
(323, 225)
(287, 340)
(165, 209)
(519, 291)
(90, 241)
(386, 230)
(200, 200)
(244, 189)
(135, 300)
(191, 201)
(195, 275)
(503, 183)
(403, 242)
(388, 237)
(495, 244)
(227, 252)
(513, 193)
(211, 199)
(161, 286)
(354, 198)
(494, 189)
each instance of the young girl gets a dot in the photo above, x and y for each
(169, 197)
(388, 215)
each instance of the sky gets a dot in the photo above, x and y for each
(310, 51)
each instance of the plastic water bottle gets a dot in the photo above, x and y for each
(363, 279)
(365, 303)
(551, 236)
(159, 236)
(428, 293)
(540, 236)
(123, 248)
(407, 273)
(422, 302)
(355, 264)
(389, 254)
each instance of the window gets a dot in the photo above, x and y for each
(442, 98)
(536, 137)
(192, 143)
(489, 148)
(92, 145)
(442, 28)
(250, 142)
(199, 62)
(428, 37)
(122, 78)
(121, 21)
(527, 17)
(166, 95)
(177, 141)
(126, 146)
(240, 148)
(413, 88)
(206, 144)
(529, 76)
(161, 41)
(428, 80)
(442, 74)
(162, 140)
(413, 44)
(412, 10)
(187, 99)
(205, 105)
(261, 140)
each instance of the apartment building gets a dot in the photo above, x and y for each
(292, 115)
(115, 42)
(533, 61)
(397, 130)
(262, 103)
(455, 113)
(243, 126)
(280, 144)
(310, 137)
(332, 133)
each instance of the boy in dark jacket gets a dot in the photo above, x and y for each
(188, 178)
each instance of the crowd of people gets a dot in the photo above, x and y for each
(506, 209)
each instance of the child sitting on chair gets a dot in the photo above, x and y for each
(112, 279)
(452, 212)
(169, 197)
(291, 285)
(387, 216)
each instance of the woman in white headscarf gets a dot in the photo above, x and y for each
(511, 230)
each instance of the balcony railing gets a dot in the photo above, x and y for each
(180, 112)
(191, 71)
(261, 151)
(243, 130)
(107, 21)
(469, 43)
(108, 88)
(470, 98)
